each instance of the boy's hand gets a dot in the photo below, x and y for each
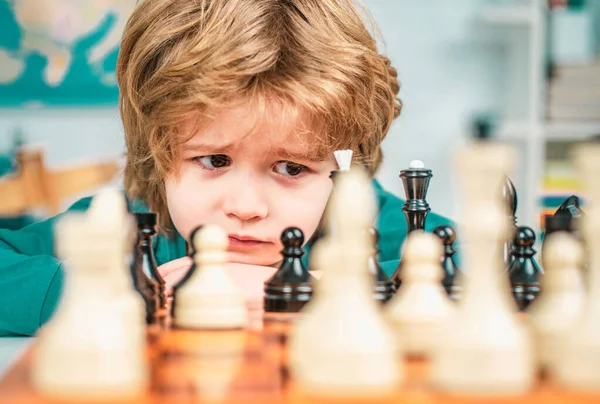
(173, 271)
(249, 279)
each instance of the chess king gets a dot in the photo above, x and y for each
(231, 111)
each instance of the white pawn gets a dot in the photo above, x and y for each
(558, 307)
(421, 307)
(91, 348)
(209, 298)
(486, 350)
(578, 365)
(342, 346)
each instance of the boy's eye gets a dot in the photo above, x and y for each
(214, 161)
(289, 169)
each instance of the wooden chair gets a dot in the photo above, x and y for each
(33, 186)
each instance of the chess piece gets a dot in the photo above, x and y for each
(289, 289)
(524, 272)
(383, 287)
(510, 202)
(326, 356)
(420, 309)
(556, 223)
(143, 269)
(485, 327)
(483, 127)
(570, 208)
(208, 299)
(343, 159)
(191, 271)
(146, 231)
(416, 183)
(91, 348)
(578, 365)
(565, 218)
(554, 312)
(451, 271)
(109, 215)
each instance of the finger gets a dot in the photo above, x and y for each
(249, 280)
(175, 266)
(174, 277)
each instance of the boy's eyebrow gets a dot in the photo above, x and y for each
(314, 155)
(293, 155)
(208, 147)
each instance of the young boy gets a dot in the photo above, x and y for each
(232, 110)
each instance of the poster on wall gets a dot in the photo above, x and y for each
(60, 52)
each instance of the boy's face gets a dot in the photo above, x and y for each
(253, 179)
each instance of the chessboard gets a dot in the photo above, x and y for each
(250, 366)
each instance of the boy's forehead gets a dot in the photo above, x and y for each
(275, 130)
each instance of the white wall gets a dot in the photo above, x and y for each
(448, 71)
(450, 68)
(69, 135)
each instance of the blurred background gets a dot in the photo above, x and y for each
(525, 71)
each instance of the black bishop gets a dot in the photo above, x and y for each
(146, 279)
(448, 237)
(383, 287)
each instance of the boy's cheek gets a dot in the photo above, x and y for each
(186, 204)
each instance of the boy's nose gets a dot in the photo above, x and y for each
(245, 201)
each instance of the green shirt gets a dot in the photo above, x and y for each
(31, 277)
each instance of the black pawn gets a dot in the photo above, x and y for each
(383, 287)
(524, 271)
(146, 279)
(416, 208)
(189, 273)
(448, 236)
(289, 289)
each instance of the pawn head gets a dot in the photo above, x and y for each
(192, 236)
(524, 237)
(292, 237)
(422, 256)
(446, 233)
(373, 234)
(209, 238)
(422, 246)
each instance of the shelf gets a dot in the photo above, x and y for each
(520, 13)
(571, 130)
(516, 131)
(550, 130)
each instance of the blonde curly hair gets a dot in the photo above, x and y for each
(182, 58)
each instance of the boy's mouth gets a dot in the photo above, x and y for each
(237, 242)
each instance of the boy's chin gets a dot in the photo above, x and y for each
(237, 258)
